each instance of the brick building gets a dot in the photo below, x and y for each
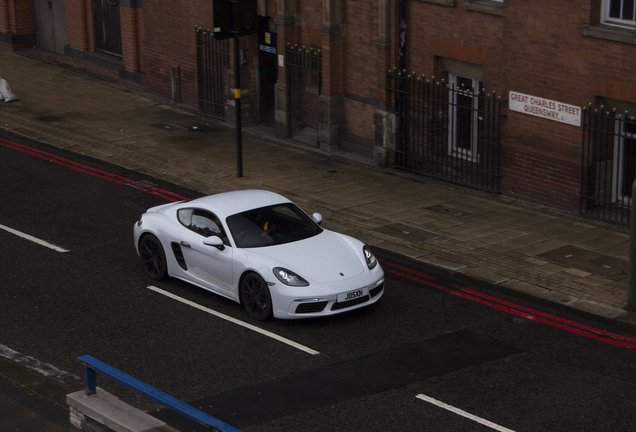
(528, 99)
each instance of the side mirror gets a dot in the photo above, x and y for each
(214, 241)
(317, 217)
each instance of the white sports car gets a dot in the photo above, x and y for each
(261, 250)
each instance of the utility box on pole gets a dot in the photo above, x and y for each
(224, 19)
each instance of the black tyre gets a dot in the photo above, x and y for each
(255, 297)
(153, 257)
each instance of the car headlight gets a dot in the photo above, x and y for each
(289, 278)
(369, 257)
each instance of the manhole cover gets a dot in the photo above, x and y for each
(569, 255)
(605, 266)
(406, 232)
(588, 261)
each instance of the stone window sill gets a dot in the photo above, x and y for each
(485, 6)
(607, 32)
(450, 3)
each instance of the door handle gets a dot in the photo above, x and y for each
(184, 244)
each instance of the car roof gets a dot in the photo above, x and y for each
(228, 203)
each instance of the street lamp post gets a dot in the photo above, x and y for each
(237, 89)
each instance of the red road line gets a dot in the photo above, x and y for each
(57, 159)
(544, 321)
(408, 270)
(512, 308)
(167, 195)
(523, 308)
(422, 281)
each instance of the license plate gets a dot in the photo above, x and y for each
(352, 295)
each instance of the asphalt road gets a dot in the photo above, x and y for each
(432, 355)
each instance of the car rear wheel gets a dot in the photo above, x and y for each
(255, 297)
(153, 257)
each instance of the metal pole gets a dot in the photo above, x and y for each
(237, 88)
(90, 380)
(631, 282)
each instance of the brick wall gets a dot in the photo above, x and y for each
(359, 116)
(79, 25)
(309, 107)
(528, 174)
(361, 67)
(546, 54)
(16, 19)
(132, 37)
(170, 42)
(537, 48)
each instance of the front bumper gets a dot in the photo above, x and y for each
(288, 306)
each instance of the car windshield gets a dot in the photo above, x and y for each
(273, 225)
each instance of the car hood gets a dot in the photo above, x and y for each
(324, 258)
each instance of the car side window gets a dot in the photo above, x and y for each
(202, 222)
(185, 217)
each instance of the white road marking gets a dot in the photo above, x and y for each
(235, 321)
(464, 413)
(45, 369)
(33, 239)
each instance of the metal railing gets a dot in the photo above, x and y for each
(304, 67)
(305, 59)
(608, 164)
(92, 365)
(446, 131)
(107, 26)
(213, 61)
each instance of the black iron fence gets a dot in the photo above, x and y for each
(107, 26)
(304, 66)
(213, 61)
(608, 164)
(447, 131)
(305, 60)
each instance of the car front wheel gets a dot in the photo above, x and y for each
(255, 297)
(153, 258)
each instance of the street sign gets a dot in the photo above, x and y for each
(545, 108)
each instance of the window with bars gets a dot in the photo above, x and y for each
(465, 117)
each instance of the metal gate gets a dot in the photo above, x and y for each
(304, 65)
(450, 132)
(213, 60)
(608, 165)
(107, 26)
